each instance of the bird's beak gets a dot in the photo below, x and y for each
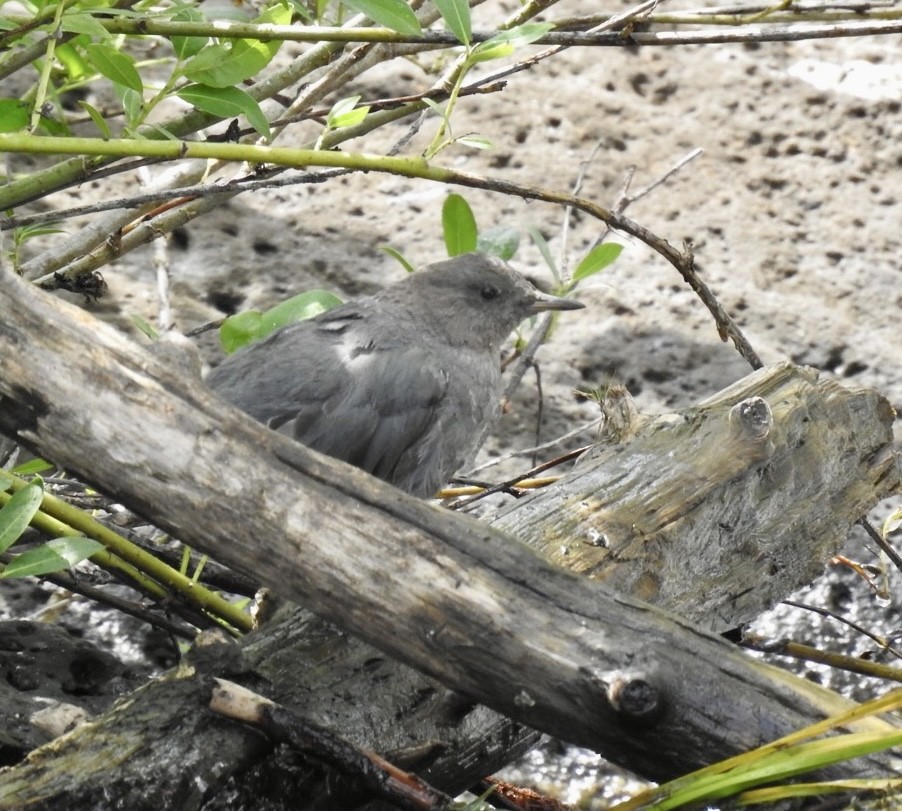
(543, 301)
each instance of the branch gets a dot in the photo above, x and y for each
(405, 166)
(839, 24)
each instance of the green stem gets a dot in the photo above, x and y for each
(290, 33)
(44, 81)
(46, 523)
(58, 518)
(174, 150)
(439, 141)
(304, 158)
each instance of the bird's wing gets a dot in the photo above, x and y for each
(373, 405)
(385, 417)
(272, 378)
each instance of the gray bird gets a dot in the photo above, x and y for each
(401, 384)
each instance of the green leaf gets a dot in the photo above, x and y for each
(26, 232)
(244, 328)
(75, 548)
(456, 14)
(458, 225)
(522, 34)
(49, 125)
(164, 133)
(239, 330)
(116, 66)
(488, 50)
(224, 65)
(14, 115)
(186, 47)
(346, 113)
(73, 62)
(97, 118)
(215, 65)
(506, 42)
(298, 308)
(17, 514)
(352, 118)
(31, 467)
(435, 107)
(475, 141)
(501, 241)
(597, 259)
(542, 245)
(77, 22)
(277, 14)
(394, 14)
(226, 102)
(41, 560)
(133, 105)
(148, 329)
(53, 556)
(396, 254)
(341, 107)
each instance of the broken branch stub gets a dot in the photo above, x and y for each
(718, 511)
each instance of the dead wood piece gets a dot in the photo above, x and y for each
(162, 748)
(719, 511)
(376, 776)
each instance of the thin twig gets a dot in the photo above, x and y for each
(539, 334)
(227, 189)
(852, 664)
(67, 581)
(540, 404)
(646, 190)
(884, 545)
(537, 449)
(161, 266)
(371, 773)
(625, 199)
(879, 640)
(568, 210)
(508, 485)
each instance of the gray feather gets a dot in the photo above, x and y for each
(401, 384)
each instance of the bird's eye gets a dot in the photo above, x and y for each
(488, 292)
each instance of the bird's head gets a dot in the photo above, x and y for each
(477, 300)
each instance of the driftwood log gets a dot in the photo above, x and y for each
(718, 511)
(459, 600)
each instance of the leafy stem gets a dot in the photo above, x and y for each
(44, 80)
(59, 519)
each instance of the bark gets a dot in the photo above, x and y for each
(163, 747)
(447, 595)
(721, 510)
